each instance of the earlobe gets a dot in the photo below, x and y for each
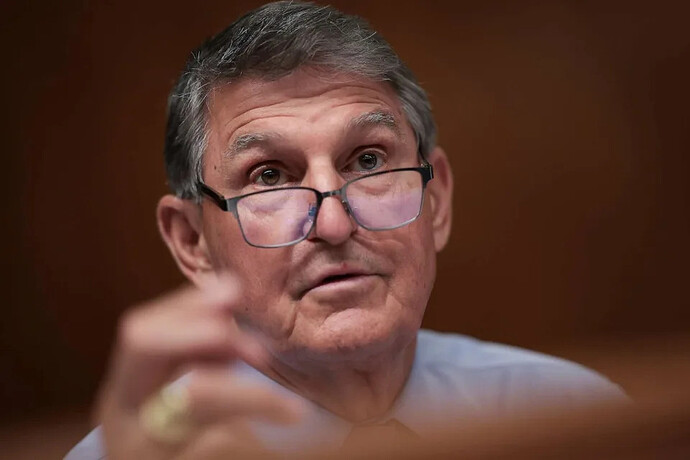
(440, 191)
(180, 225)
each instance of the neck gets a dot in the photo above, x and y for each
(356, 390)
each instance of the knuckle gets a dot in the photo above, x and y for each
(213, 338)
(196, 384)
(132, 329)
(213, 385)
(201, 383)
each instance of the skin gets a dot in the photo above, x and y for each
(346, 345)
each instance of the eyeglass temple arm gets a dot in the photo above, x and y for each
(215, 196)
(427, 172)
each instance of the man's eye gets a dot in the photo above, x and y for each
(367, 161)
(269, 177)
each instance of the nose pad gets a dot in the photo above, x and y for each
(312, 212)
(308, 225)
(331, 224)
(346, 206)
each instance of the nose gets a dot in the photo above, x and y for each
(333, 225)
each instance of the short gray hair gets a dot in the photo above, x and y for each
(269, 43)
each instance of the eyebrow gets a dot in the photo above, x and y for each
(250, 140)
(373, 119)
(367, 120)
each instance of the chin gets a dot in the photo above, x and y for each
(356, 335)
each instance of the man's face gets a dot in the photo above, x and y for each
(344, 291)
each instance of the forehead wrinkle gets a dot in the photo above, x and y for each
(379, 117)
(372, 119)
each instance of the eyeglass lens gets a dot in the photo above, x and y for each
(282, 216)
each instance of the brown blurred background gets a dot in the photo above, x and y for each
(566, 123)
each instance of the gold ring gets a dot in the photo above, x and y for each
(165, 415)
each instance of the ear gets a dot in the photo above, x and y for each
(181, 226)
(440, 191)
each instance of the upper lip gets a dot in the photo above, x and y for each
(321, 275)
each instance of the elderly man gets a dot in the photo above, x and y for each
(309, 203)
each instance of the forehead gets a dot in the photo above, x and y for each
(301, 106)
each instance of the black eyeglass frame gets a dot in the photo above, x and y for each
(230, 204)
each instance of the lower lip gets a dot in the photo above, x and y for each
(345, 286)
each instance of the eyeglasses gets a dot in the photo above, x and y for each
(285, 216)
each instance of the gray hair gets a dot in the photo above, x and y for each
(269, 43)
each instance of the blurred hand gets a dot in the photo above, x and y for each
(189, 332)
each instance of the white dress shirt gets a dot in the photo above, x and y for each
(453, 376)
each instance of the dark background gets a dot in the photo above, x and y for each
(566, 123)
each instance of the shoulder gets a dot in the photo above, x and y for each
(504, 377)
(89, 448)
(474, 354)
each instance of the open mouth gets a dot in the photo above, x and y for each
(341, 279)
(336, 278)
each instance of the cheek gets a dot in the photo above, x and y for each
(419, 279)
(262, 274)
(416, 261)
